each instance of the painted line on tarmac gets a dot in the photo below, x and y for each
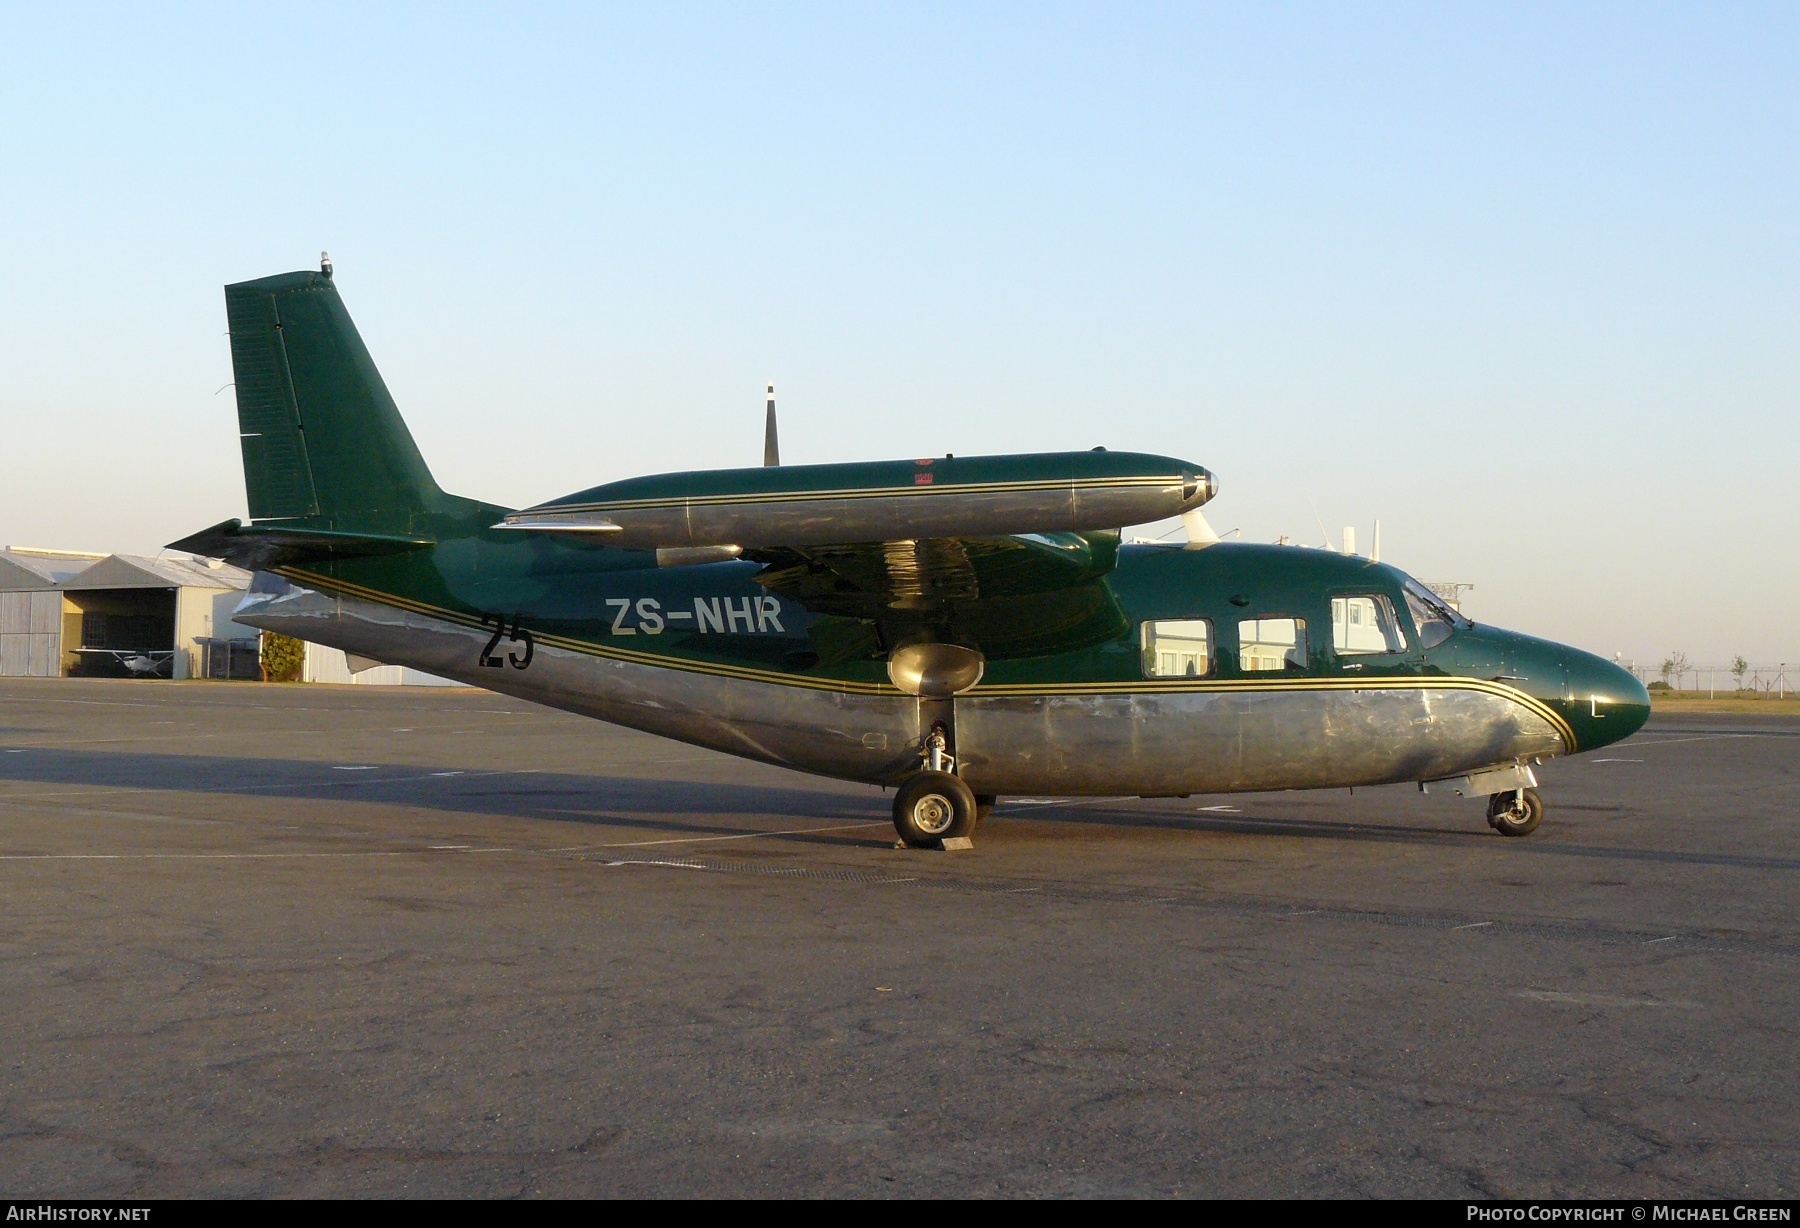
(200, 737)
(235, 856)
(861, 877)
(1030, 894)
(1053, 892)
(1601, 999)
(747, 835)
(328, 782)
(53, 743)
(1060, 801)
(1711, 737)
(239, 707)
(440, 848)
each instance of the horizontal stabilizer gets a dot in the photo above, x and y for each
(258, 547)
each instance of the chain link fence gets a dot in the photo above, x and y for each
(1775, 680)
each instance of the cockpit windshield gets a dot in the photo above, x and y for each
(1432, 614)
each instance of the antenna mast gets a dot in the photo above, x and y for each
(771, 444)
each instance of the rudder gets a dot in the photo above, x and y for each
(323, 443)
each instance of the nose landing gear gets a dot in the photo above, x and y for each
(1516, 812)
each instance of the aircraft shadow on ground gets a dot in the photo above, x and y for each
(1418, 830)
(1351, 830)
(677, 806)
(671, 805)
(1244, 824)
(674, 805)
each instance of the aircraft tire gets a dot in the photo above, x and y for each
(933, 807)
(984, 805)
(1509, 819)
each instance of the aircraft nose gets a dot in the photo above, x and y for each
(1609, 703)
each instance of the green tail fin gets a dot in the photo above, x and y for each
(324, 445)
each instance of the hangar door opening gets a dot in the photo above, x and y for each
(123, 633)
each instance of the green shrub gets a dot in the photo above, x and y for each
(1659, 685)
(283, 657)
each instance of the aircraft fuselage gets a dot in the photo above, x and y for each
(1267, 686)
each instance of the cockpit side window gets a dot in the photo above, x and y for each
(1364, 623)
(1434, 619)
(1178, 648)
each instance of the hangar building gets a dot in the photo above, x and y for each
(31, 610)
(67, 613)
(64, 613)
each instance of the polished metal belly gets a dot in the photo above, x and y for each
(1221, 741)
(873, 738)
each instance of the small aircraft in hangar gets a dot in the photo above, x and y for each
(957, 628)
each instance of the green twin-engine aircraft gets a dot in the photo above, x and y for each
(959, 628)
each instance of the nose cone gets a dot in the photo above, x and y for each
(1605, 703)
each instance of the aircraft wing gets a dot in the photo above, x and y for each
(1011, 596)
(1006, 555)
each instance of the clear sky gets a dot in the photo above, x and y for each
(1521, 281)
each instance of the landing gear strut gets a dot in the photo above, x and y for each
(1517, 812)
(935, 805)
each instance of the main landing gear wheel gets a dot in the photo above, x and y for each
(1515, 813)
(933, 807)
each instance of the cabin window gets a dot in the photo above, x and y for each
(1272, 644)
(1365, 624)
(1178, 648)
(1434, 619)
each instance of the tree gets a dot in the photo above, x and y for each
(1739, 667)
(1676, 663)
(283, 657)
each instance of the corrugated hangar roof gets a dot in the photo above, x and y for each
(38, 569)
(142, 571)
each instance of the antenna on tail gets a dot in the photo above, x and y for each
(771, 444)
